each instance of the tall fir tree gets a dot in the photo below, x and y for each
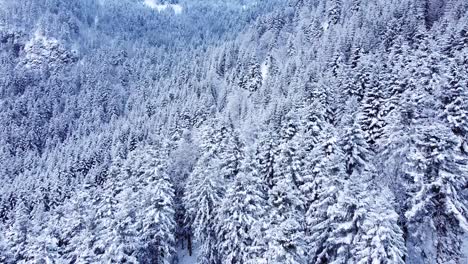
(159, 218)
(242, 214)
(328, 176)
(437, 176)
(204, 193)
(381, 239)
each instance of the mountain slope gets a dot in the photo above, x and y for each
(311, 131)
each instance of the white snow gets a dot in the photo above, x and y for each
(325, 26)
(161, 7)
(40, 50)
(264, 68)
(247, 6)
(184, 257)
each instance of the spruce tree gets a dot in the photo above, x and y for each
(381, 239)
(158, 218)
(241, 215)
(372, 112)
(328, 178)
(454, 99)
(285, 234)
(267, 154)
(353, 144)
(438, 177)
(204, 193)
(17, 234)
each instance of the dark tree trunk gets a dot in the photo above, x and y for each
(189, 244)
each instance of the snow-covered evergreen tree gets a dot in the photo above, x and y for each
(328, 179)
(318, 142)
(18, 233)
(373, 110)
(124, 126)
(285, 234)
(253, 78)
(437, 212)
(354, 146)
(111, 244)
(204, 194)
(454, 100)
(231, 153)
(267, 154)
(288, 161)
(5, 255)
(380, 239)
(158, 219)
(241, 215)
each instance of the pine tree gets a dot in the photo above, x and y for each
(44, 247)
(357, 79)
(324, 103)
(285, 242)
(5, 254)
(328, 179)
(252, 81)
(231, 153)
(267, 154)
(437, 178)
(454, 100)
(288, 161)
(347, 216)
(77, 222)
(112, 231)
(372, 113)
(146, 217)
(398, 140)
(219, 163)
(316, 139)
(314, 123)
(204, 193)
(180, 165)
(380, 239)
(347, 213)
(18, 232)
(285, 233)
(354, 146)
(424, 67)
(427, 174)
(158, 218)
(241, 215)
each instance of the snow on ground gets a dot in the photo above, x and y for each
(325, 26)
(248, 6)
(265, 71)
(161, 7)
(183, 255)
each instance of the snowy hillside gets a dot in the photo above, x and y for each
(177, 8)
(241, 131)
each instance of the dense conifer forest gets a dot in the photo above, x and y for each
(234, 131)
